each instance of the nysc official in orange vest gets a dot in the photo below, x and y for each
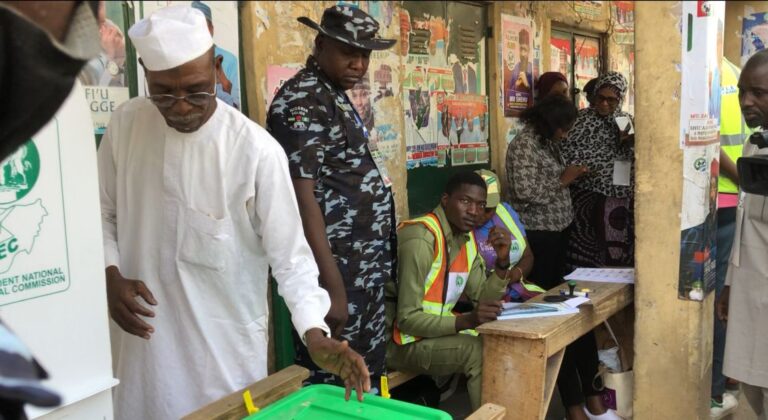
(437, 263)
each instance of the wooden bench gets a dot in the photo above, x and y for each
(521, 358)
(263, 392)
(396, 378)
(488, 411)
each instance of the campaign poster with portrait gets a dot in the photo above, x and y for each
(104, 77)
(222, 18)
(518, 64)
(702, 52)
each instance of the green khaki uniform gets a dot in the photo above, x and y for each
(441, 350)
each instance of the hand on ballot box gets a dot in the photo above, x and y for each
(338, 358)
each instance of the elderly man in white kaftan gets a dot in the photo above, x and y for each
(197, 203)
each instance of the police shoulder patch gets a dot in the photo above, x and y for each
(298, 118)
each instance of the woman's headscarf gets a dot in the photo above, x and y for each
(547, 80)
(614, 81)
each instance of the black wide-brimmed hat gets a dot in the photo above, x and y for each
(350, 25)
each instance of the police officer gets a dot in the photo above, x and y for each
(341, 184)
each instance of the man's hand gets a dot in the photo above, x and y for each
(336, 357)
(221, 77)
(500, 240)
(721, 306)
(339, 312)
(484, 312)
(123, 306)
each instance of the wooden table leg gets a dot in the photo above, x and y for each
(518, 375)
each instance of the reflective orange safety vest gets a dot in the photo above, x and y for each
(443, 286)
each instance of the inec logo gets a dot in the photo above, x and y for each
(700, 164)
(19, 223)
(459, 281)
(19, 173)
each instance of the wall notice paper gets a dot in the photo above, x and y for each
(702, 52)
(588, 8)
(516, 310)
(603, 275)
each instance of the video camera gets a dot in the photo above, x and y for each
(753, 170)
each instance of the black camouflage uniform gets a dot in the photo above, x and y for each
(326, 141)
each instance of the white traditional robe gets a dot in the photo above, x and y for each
(746, 344)
(199, 218)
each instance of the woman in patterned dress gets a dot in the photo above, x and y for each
(602, 234)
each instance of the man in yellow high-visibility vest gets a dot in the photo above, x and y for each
(733, 133)
(438, 261)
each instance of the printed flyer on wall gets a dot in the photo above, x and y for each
(702, 49)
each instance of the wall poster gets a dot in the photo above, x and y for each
(104, 77)
(517, 61)
(444, 87)
(702, 52)
(754, 35)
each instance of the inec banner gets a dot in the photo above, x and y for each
(32, 222)
(52, 285)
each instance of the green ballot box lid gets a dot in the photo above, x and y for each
(327, 402)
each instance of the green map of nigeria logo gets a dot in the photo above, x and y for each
(19, 224)
(459, 281)
(18, 173)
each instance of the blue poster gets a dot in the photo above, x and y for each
(754, 35)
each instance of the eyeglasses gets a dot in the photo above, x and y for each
(610, 100)
(165, 101)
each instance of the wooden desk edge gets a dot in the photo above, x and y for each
(625, 296)
(263, 392)
(489, 411)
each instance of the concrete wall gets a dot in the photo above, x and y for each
(673, 337)
(271, 35)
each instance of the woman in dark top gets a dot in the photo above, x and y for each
(538, 181)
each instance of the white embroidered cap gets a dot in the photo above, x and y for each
(170, 37)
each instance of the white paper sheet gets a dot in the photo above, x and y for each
(621, 172)
(604, 275)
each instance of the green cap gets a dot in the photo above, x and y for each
(492, 181)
